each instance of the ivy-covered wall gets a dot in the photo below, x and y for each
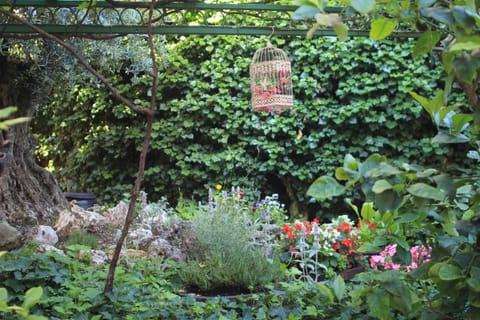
(350, 97)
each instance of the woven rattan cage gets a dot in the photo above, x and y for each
(271, 80)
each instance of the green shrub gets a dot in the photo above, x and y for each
(350, 97)
(82, 237)
(226, 258)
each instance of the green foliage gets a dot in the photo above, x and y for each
(5, 113)
(31, 298)
(82, 237)
(351, 97)
(227, 258)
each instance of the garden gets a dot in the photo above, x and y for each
(359, 198)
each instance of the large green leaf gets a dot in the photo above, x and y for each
(426, 42)
(431, 106)
(305, 12)
(449, 272)
(5, 112)
(339, 288)
(363, 6)
(10, 122)
(328, 19)
(325, 187)
(460, 121)
(388, 201)
(443, 137)
(350, 162)
(424, 190)
(3, 298)
(441, 14)
(378, 301)
(381, 185)
(466, 43)
(32, 297)
(425, 3)
(371, 163)
(341, 29)
(463, 18)
(382, 28)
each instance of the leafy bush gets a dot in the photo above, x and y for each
(350, 97)
(82, 237)
(227, 258)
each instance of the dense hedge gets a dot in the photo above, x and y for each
(350, 97)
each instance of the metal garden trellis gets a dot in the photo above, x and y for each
(103, 19)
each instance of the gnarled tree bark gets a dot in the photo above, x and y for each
(29, 194)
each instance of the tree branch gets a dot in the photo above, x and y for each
(143, 156)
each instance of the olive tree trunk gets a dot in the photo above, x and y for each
(29, 194)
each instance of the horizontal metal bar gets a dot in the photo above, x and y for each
(192, 5)
(185, 30)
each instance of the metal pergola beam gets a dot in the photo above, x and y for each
(172, 19)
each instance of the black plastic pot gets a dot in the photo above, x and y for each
(85, 200)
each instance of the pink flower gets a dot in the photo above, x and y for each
(375, 260)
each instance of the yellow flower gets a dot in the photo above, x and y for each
(218, 187)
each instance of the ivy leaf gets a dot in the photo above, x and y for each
(363, 6)
(325, 187)
(425, 43)
(382, 28)
(423, 190)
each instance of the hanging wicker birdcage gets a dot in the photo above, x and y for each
(271, 80)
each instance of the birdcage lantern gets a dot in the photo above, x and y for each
(271, 80)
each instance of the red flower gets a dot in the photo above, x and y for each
(344, 227)
(347, 242)
(369, 224)
(335, 246)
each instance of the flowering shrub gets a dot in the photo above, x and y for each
(320, 250)
(270, 209)
(383, 261)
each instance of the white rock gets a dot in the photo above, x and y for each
(99, 257)
(44, 235)
(47, 247)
